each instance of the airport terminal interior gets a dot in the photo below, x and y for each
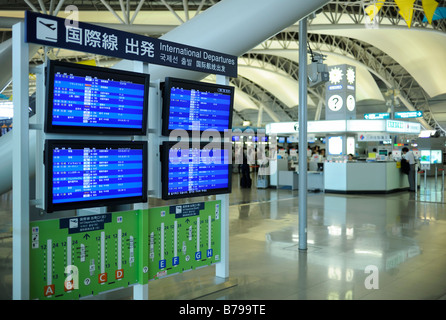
(375, 73)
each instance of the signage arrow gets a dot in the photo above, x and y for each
(86, 236)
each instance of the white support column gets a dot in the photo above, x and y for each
(138, 8)
(186, 9)
(172, 11)
(20, 168)
(317, 116)
(141, 291)
(222, 268)
(260, 116)
(112, 11)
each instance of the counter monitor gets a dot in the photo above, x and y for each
(93, 100)
(82, 174)
(196, 106)
(191, 171)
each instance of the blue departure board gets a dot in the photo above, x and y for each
(196, 106)
(85, 174)
(195, 171)
(86, 99)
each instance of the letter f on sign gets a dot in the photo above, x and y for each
(372, 280)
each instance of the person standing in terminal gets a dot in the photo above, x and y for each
(408, 155)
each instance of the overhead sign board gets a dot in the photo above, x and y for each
(408, 114)
(377, 116)
(373, 137)
(55, 32)
(402, 126)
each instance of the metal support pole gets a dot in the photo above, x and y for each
(435, 177)
(442, 184)
(416, 180)
(20, 166)
(442, 180)
(425, 173)
(303, 134)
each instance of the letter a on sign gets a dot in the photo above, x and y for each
(372, 280)
(49, 290)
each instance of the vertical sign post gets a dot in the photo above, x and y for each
(20, 158)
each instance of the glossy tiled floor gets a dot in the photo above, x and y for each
(399, 235)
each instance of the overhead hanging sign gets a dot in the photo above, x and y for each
(408, 114)
(58, 32)
(377, 116)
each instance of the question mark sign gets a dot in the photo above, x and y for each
(335, 103)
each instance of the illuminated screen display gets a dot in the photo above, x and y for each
(436, 156)
(82, 174)
(196, 106)
(189, 171)
(425, 156)
(335, 145)
(86, 99)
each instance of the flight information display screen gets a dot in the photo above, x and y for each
(86, 99)
(196, 106)
(94, 173)
(190, 171)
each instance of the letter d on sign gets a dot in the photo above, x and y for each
(372, 280)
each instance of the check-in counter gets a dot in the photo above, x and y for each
(363, 177)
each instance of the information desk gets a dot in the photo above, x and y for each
(315, 180)
(363, 177)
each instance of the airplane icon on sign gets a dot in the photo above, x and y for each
(46, 29)
(49, 25)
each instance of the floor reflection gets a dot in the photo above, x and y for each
(397, 233)
(431, 190)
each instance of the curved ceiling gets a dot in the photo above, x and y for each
(280, 85)
(387, 54)
(243, 101)
(367, 89)
(421, 52)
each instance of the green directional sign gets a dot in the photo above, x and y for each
(377, 116)
(184, 237)
(80, 256)
(408, 114)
